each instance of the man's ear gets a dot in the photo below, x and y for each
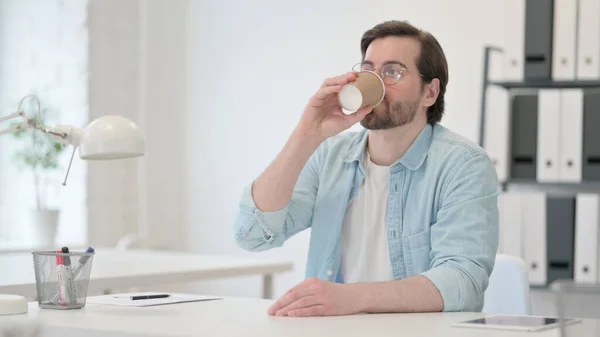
(432, 90)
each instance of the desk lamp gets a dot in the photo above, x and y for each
(105, 138)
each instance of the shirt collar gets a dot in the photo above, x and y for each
(412, 159)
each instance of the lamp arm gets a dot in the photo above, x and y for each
(14, 129)
(14, 115)
(28, 123)
(63, 134)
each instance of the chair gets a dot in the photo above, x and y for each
(508, 289)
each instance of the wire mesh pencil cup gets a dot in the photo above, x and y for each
(62, 279)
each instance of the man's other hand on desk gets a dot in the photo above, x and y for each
(316, 297)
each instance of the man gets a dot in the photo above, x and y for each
(403, 215)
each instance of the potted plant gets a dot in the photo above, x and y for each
(39, 154)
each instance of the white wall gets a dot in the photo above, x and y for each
(255, 63)
(137, 67)
(112, 197)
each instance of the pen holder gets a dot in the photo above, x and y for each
(62, 279)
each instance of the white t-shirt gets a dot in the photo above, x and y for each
(365, 250)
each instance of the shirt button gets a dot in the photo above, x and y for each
(329, 272)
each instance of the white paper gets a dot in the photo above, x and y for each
(125, 299)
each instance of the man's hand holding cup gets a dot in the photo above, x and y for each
(324, 115)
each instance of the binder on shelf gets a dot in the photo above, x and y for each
(571, 138)
(540, 229)
(548, 135)
(497, 130)
(591, 135)
(523, 125)
(538, 39)
(588, 40)
(587, 238)
(560, 237)
(534, 235)
(564, 42)
(514, 41)
(511, 224)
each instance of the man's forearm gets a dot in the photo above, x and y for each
(412, 294)
(273, 189)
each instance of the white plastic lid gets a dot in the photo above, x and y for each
(12, 304)
(350, 98)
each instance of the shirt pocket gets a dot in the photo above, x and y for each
(418, 249)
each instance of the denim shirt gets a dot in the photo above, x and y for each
(442, 219)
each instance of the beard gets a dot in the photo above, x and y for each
(391, 115)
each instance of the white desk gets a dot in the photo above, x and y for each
(247, 317)
(112, 269)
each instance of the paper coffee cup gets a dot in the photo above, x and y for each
(368, 89)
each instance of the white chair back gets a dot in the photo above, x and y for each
(508, 289)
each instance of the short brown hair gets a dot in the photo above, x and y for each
(431, 63)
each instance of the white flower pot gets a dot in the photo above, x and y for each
(44, 224)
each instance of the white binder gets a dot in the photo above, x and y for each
(534, 235)
(588, 40)
(564, 38)
(511, 224)
(587, 238)
(571, 137)
(514, 40)
(497, 130)
(548, 136)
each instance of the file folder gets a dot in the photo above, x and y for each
(514, 40)
(571, 138)
(523, 147)
(497, 130)
(538, 39)
(587, 238)
(564, 42)
(591, 135)
(511, 224)
(560, 237)
(548, 135)
(534, 233)
(588, 40)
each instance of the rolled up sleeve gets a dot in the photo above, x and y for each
(255, 230)
(464, 237)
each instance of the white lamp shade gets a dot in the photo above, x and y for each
(111, 137)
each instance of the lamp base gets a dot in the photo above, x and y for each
(12, 304)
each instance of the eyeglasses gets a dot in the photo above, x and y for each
(391, 73)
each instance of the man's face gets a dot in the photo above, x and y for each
(402, 100)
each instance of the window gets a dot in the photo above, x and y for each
(43, 51)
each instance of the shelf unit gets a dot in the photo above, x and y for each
(544, 137)
(535, 84)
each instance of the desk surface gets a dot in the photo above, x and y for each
(247, 317)
(133, 268)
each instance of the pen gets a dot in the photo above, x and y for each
(148, 297)
(72, 294)
(82, 261)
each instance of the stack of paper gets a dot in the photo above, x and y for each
(125, 299)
